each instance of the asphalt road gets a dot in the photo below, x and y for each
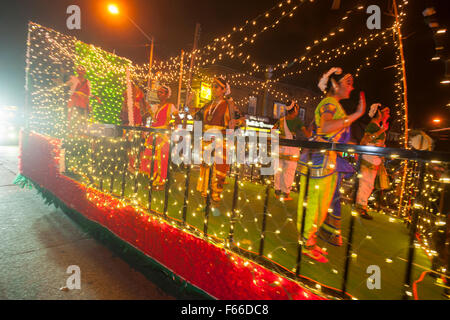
(38, 243)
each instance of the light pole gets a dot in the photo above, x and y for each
(114, 9)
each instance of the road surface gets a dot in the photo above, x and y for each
(38, 243)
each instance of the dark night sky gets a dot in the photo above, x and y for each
(172, 22)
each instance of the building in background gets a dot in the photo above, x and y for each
(250, 94)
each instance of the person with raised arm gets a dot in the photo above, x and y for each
(288, 156)
(374, 135)
(216, 115)
(331, 124)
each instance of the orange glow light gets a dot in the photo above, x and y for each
(112, 8)
(437, 120)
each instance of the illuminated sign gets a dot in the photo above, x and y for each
(278, 110)
(205, 91)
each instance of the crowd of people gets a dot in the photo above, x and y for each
(325, 170)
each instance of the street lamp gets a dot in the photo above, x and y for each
(436, 120)
(114, 9)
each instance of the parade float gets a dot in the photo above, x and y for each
(247, 245)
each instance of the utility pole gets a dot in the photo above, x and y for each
(180, 80)
(194, 48)
(405, 100)
(149, 83)
(402, 56)
(268, 76)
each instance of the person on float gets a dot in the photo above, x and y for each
(140, 107)
(288, 156)
(331, 124)
(216, 115)
(161, 115)
(78, 107)
(374, 135)
(139, 114)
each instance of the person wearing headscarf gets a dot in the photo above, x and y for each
(374, 135)
(78, 107)
(331, 124)
(161, 115)
(288, 156)
(216, 115)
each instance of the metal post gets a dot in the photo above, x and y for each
(186, 193)
(302, 227)
(111, 183)
(263, 226)
(166, 191)
(411, 192)
(117, 156)
(114, 169)
(412, 235)
(208, 203)
(138, 162)
(186, 188)
(233, 206)
(125, 166)
(100, 169)
(348, 251)
(151, 172)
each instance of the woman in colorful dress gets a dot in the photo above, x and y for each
(161, 115)
(331, 124)
(374, 135)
